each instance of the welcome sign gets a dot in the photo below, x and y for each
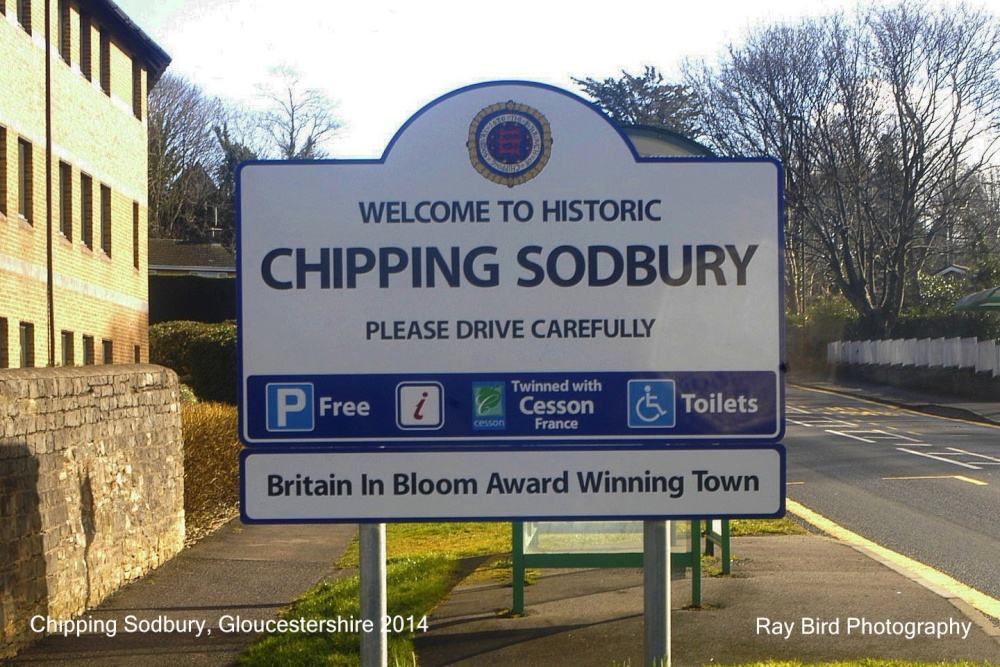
(510, 273)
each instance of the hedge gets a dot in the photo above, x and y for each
(203, 355)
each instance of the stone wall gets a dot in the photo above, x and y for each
(91, 487)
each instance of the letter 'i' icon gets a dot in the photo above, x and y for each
(418, 414)
(419, 405)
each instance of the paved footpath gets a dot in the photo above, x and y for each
(247, 571)
(594, 618)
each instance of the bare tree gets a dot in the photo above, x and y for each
(183, 153)
(299, 119)
(882, 120)
(754, 102)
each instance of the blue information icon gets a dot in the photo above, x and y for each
(651, 404)
(419, 405)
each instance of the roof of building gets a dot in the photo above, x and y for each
(188, 257)
(953, 270)
(132, 36)
(660, 141)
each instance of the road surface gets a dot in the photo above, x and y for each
(926, 487)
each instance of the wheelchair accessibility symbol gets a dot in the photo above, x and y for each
(651, 404)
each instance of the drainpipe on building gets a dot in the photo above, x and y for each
(49, 269)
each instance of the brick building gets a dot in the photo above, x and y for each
(73, 183)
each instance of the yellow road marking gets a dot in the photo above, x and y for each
(980, 601)
(793, 483)
(894, 407)
(857, 412)
(961, 478)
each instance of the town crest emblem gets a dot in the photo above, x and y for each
(509, 143)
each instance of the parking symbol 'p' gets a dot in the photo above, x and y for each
(290, 407)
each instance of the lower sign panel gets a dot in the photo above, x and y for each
(314, 486)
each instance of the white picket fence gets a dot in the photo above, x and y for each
(983, 356)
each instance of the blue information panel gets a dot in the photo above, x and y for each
(513, 406)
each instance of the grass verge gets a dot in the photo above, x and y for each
(748, 527)
(424, 561)
(415, 585)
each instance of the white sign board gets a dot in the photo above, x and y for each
(317, 486)
(510, 272)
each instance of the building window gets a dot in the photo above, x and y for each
(137, 95)
(3, 169)
(106, 220)
(25, 179)
(27, 334)
(68, 351)
(66, 200)
(137, 353)
(4, 346)
(105, 60)
(65, 43)
(107, 352)
(89, 358)
(135, 234)
(24, 14)
(86, 51)
(87, 210)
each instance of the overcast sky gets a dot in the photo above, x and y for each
(382, 60)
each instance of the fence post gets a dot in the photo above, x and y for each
(985, 356)
(936, 349)
(968, 348)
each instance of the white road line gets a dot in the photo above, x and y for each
(939, 456)
(820, 422)
(904, 437)
(879, 434)
(853, 437)
(992, 459)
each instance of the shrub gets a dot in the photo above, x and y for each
(187, 394)
(829, 319)
(933, 316)
(211, 465)
(213, 361)
(832, 318)
(204, 356)
(169, 343)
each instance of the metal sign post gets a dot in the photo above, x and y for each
(374, 640)
(656, 592)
